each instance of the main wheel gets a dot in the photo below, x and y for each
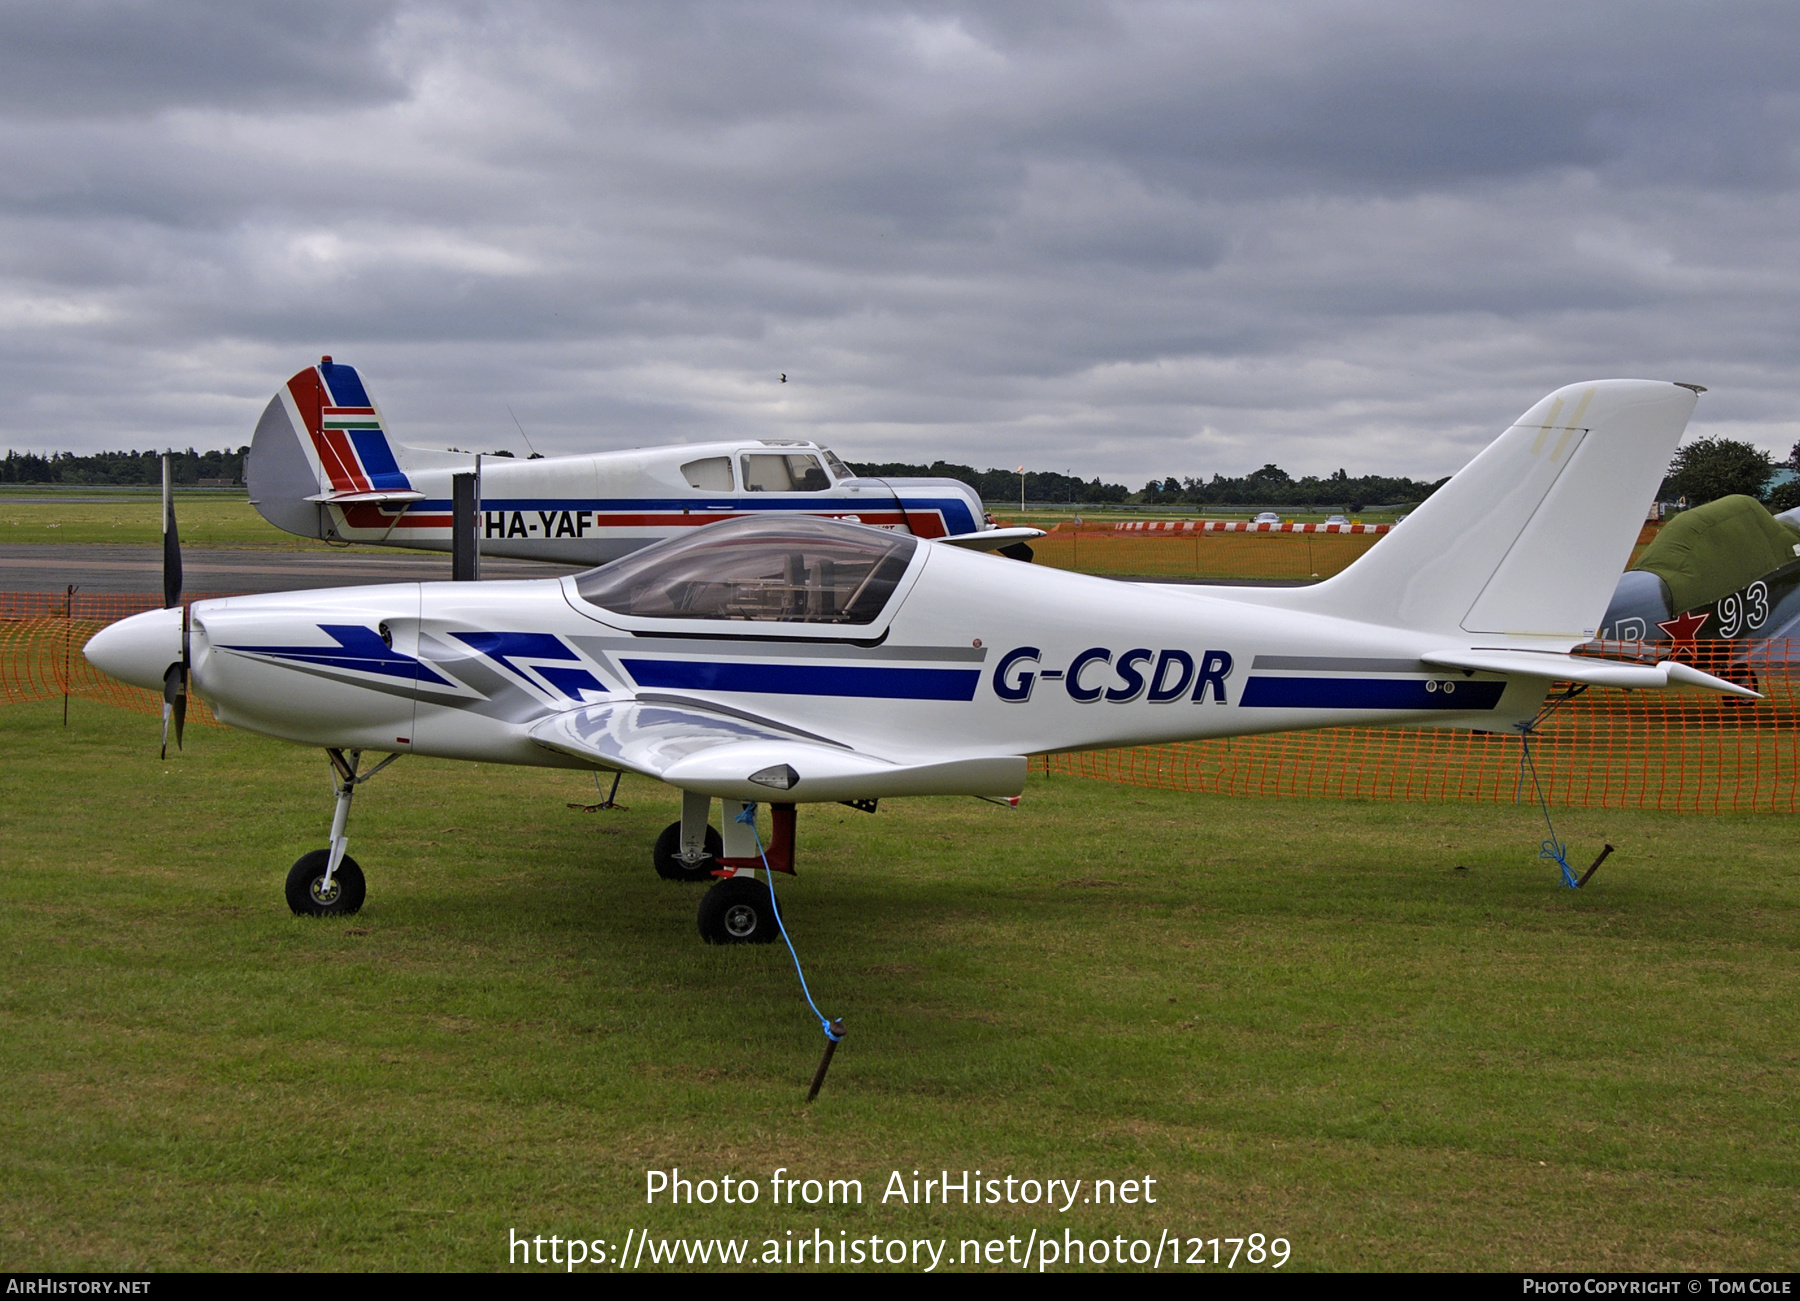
(308, 895)
(671, 867)
(738, 910)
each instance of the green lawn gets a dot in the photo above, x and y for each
(1299, 1018)
(209, 518)
(218, 518)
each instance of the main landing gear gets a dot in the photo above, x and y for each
(739, 908)
(328, 882)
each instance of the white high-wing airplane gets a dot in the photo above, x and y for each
(793, 659)
(321, 465)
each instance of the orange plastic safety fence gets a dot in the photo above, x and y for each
(41, 636)
(1676, 751)
(1686, 752)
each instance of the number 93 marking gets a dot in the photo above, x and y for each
(1744, 611)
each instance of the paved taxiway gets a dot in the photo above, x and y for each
(100, 568)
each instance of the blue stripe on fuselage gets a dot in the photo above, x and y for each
(1369, 693)
(955, 512)
(357, 648)
(817, 504)
(807, 679)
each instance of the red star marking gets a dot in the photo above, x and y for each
(1685, 628)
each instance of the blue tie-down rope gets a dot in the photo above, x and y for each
(1553, 849)
(834, 1030)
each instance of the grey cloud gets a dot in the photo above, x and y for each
(89, 58)
(1134, 239)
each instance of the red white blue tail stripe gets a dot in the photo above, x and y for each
(346, 430)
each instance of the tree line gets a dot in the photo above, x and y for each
(123, 469)
(1269, 486)
(1702, 471)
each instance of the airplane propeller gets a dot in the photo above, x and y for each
(175, 680)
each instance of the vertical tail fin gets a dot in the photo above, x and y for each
(1529, 538)
(320, 440)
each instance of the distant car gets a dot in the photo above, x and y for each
(1267, 517)
(1336, 519)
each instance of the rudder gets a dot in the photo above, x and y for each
(321, 440)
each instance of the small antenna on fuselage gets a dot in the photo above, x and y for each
(535, 454)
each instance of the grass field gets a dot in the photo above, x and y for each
(215, 518)
(209, 518)
(1300, 1018)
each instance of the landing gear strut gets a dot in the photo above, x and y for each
(328, 882)
(689, 850)
(740, 908)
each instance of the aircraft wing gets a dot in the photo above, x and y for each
(990, 539)
(715, 753)
(1577, 668)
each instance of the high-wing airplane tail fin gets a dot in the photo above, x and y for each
(1528, 539)
(321, 441)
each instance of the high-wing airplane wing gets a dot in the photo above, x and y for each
(991, 539)
(717, 754)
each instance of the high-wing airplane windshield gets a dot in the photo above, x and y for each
(774, 570)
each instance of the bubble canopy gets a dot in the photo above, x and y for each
(797, 569)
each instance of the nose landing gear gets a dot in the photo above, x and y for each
(328, 882)
(312, 891)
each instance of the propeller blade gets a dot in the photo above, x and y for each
(171, 542)
(175, 680)
(181, 683)
(173, 689)
(180, 707)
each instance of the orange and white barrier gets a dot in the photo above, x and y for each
(1239, 526)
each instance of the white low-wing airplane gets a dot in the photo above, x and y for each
(322, 465)
(793, 659)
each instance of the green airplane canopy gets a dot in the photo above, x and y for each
(1715, 549)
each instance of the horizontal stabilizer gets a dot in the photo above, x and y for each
(1576, 668)
(365, 498)
(990, 539)
(717, 754)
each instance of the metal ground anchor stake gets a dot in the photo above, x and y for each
(1594, 868)
(831, 1043)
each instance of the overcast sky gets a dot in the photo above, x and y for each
(1123, 239)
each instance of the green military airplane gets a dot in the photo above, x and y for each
(1721, 582)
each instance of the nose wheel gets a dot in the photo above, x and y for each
(311, 894)
(327, 882)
